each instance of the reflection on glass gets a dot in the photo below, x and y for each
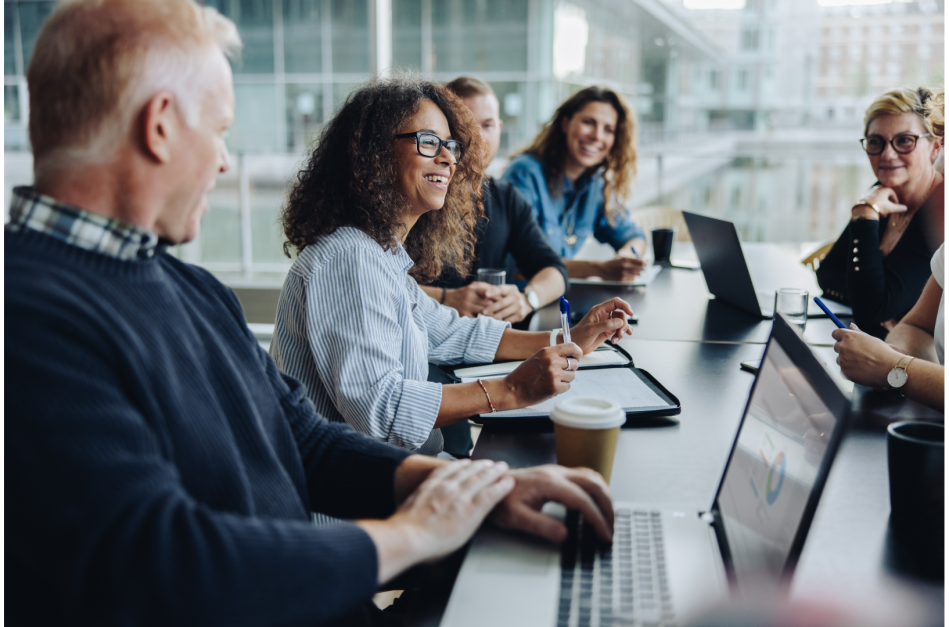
(220, 236)
(9, 59)
(407, 33)
(490, 35)
(304, 103)
(254, 19)
(340, 92)
(267, 237)
(11, 104)
(255, 120)
(771, 199)
(32, 15)
(302, 36)
(350, 36)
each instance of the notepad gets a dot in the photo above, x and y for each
(617, 384)
(596, 358)
(644, 279)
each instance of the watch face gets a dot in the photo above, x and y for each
(896, 378)
(532, 298)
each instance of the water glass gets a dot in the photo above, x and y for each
(492, 276)
(792, 302)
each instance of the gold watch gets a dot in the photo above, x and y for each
(867, 203)
(897, 377)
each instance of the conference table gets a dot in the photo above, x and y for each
(693, 345)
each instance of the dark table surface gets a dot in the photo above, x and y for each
(694, 347)
(677, 306)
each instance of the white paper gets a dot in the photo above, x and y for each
(596, 358)
(642, 280)
(616, 384)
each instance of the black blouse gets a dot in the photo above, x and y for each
(507, 227)
(877, 288)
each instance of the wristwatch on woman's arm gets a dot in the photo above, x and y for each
(866, 203)
(897, 377)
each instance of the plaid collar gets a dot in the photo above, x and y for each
(30, 210)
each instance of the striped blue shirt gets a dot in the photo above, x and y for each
(359, 332)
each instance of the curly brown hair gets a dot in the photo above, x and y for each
(349, 179)
(619, 167)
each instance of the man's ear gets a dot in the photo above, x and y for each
(160, 126)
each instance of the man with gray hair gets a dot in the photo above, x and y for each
(160, 469)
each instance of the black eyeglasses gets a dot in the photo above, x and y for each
(903, 144)
(430, 144)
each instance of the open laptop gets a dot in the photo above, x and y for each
(728, 277)
(665, 564)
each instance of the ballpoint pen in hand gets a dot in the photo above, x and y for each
(565, 319)
(821, 304)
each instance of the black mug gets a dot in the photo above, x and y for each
(916, 458)
(662, 244)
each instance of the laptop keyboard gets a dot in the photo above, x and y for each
(620, 584)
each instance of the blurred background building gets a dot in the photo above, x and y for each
(866, 49)
(748, 109)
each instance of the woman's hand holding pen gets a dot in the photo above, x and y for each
(621, 268)
(547, 373)
(599, 325)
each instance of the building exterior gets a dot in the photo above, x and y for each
(766, 77)
(867, 50)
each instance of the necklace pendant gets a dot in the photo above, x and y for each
(570, 239)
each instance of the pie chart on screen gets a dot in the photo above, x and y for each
(775, 478)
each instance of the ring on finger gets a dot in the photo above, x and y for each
(569, 367)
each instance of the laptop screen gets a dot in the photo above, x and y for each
(774, 468)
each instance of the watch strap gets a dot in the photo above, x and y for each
(904, 362)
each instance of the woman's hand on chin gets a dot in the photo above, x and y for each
(606, 321)
(885, 200)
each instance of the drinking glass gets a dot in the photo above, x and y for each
(792, 302)
(492, 276)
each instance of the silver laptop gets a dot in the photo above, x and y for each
(666, 564)
(729, 277)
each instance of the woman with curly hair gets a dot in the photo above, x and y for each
(577, 173)
(390, 196)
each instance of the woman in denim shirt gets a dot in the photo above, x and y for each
(576, 174)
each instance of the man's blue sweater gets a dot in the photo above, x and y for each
(159, 468)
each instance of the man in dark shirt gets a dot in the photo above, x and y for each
(508, 227)
(161, 470)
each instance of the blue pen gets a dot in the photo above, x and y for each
(827, 311)
(565, 319)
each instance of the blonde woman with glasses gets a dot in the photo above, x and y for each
(912, 358)
(880, 264)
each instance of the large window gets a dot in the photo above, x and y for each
(692, 70)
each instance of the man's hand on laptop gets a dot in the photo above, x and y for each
(439, 516)
(576, 488)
